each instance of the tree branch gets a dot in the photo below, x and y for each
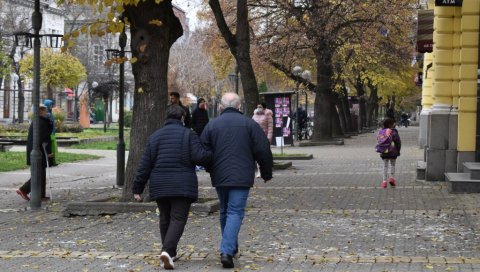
(222, 25)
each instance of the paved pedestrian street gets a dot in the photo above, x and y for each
(325, 214)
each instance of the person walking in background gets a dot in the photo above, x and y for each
(199, 121)
(175, 100)
(300, 117)
(45, 130)
(265, 121)
(267, 111)
(237, 142)
(388, 145)
(390, 111)
(168, 163)
(199, 117)
(52, 161)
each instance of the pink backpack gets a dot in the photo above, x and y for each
(385, 142)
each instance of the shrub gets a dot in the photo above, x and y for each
(59, 119)
(73, 128)
(127, 119)
(16, 128)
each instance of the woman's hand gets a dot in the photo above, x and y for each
(138, 197)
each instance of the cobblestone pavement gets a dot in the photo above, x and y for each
(325, 214)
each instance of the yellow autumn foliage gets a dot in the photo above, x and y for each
(56, 69)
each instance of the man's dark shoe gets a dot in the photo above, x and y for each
(22, 195)
(45, 198)
(227, 260)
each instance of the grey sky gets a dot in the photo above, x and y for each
(191, 7)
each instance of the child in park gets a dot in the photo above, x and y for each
(388, 145)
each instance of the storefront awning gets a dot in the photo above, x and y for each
(69, 92)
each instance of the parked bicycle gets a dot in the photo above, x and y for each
(306, 131)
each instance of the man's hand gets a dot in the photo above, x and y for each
(138, 197)
(50, 155)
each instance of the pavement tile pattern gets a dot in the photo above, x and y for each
(325, 214)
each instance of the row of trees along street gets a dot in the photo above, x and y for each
(366, 47)
(362, 48)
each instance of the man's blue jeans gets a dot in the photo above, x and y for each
(232, 210)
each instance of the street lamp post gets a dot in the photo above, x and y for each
(36, 155)
(306, 75)
(297, 71)
(233, 77)
(112, 53)
(121, 143)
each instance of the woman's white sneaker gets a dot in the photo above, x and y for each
(167, 260)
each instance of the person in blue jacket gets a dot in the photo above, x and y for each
(53, 138)
(168, 163)
(237, 143)
(44, 144)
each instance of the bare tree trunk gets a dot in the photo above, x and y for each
(110, 112)
(75, 105)
(346, 109)
(21, 99)
(6, 97)
(370, 108)
(239, 45)
(372, 104)
(341, 114)
(151, 45)
(360, 87)
(322, 128)
(1, 80)
(105, 114)
(50, 92)
(336, 126)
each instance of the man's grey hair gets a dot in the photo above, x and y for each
(175, 112)
(231, 100)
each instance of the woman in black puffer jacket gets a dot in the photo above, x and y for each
(168, 162)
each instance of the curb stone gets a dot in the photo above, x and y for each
(280, 158)
(281, 165)
(91, 208)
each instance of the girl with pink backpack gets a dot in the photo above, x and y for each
(388, 145)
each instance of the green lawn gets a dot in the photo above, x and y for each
(10, 161)
(100, 145)
(92, 133)
(86, 134)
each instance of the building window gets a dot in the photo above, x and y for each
(98, 55)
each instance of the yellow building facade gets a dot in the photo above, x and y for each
(449, 92)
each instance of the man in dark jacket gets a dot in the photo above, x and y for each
(45, 129)
(175, 100)
(199, 117)
(300, 117)
(168, 162)
(237, 142)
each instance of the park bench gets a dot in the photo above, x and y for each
(5, 146)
